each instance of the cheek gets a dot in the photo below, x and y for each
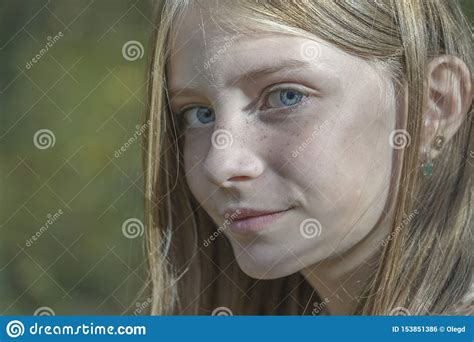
(194, 152)
(343, 171)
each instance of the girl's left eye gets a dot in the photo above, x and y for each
(284, 98)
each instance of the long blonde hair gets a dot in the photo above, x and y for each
(426, 268)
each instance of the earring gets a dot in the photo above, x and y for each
(427, 165)
(438, 142)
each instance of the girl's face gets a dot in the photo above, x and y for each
(279, 123)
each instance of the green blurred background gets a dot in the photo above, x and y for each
(91, 99)
(68, 185)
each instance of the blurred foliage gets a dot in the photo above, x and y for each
(91, 98)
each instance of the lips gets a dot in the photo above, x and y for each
(242, 213)
(245, 220)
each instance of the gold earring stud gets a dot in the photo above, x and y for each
(438, 142)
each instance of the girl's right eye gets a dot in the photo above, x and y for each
(198, 116)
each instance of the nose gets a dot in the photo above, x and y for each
(232, 157)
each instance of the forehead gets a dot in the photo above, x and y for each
(202, 27)
(204, 47)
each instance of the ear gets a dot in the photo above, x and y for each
(448, 99)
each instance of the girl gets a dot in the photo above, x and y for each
(310, 157)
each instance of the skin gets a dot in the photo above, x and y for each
(343, 176)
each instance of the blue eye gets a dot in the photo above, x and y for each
(198, 116)
(284, 98)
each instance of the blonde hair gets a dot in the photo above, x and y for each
(425, 268)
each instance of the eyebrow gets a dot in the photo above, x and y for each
(262, 72)
(252, 74)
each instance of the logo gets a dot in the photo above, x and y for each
(310, 228)
(44, 138)
(132, 50)
(15, 329)
(133, 228)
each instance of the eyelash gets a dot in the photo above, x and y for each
(265, 95)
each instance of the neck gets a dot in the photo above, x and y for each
(339, 282)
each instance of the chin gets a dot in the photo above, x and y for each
(262, 273)
(265, 265)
